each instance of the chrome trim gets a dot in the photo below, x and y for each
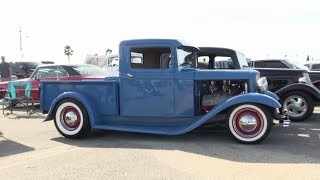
(71, 118)
(248, 123)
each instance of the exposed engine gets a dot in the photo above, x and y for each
(214, 92)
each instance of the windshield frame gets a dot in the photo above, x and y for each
(242, 60)
(189, 52)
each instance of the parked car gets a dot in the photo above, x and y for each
(288, 64)
(47, 62)
(293, 86)
(57, 72)
(313, 65)
(102, 60)
(23, 69)
(162, 92)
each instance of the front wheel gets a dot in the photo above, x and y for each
(71, 119)
(249, 123)
(299, 105)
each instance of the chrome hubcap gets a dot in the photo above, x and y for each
(248, 123)
(71, 118)
(296, 105)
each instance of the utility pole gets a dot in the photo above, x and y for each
(20, 40)
(20, 43)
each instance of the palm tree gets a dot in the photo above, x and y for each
(68, 52)
(108, 51)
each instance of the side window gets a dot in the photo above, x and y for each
(276, 64)
(50, 72)
(223, 62)
(203, 62)
(61, 72)
(270, 64)
(316, 66)
(260, 64)
(151, 58)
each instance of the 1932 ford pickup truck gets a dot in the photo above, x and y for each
(160, 90)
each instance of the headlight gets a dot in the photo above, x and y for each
(262, 84)
(305, 79)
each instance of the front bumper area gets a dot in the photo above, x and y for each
(282, 117)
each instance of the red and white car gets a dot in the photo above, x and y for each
(59, 73)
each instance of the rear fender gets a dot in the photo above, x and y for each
(72, 95)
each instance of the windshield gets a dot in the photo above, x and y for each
(89, 70)
(295, 64)
(242, 60)
(187, 57)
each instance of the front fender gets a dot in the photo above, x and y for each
(240, 99)
(299, 87)
(73, 95)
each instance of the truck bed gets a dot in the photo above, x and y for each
(102, 93)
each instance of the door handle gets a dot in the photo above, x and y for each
(129, 75)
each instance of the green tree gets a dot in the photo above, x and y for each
(68, 52)
(108, 51)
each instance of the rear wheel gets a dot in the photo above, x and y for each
(298, 104)
(249, 123)
(71, 119)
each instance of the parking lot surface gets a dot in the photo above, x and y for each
(31, 149)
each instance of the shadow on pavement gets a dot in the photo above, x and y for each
(21, 113)
(8, 147)
(284, 145)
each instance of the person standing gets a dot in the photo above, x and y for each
(5, 70)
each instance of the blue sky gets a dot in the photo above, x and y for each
(260, 29)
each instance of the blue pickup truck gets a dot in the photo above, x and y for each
(159, 89)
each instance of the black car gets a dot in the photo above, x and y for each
(297, 94)
(288, 64)
(23, 69)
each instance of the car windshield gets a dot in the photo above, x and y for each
(242, 60)
(89, 70)
(187, 56)
(295, 64)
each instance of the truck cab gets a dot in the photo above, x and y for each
(161, 90)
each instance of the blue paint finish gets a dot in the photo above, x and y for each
(80, 98)
(184, 94)
(146, 97)
(159, 101)
(103, 98)
(197, 121)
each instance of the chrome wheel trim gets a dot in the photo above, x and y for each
(249, 136)
(62, 124)
(296, 106)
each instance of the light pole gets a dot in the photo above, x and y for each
(20, 43)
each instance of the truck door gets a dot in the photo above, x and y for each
(147, 82)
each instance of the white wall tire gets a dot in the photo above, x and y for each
(249, 123)
(71, 119)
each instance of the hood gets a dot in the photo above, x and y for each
(217, 74)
